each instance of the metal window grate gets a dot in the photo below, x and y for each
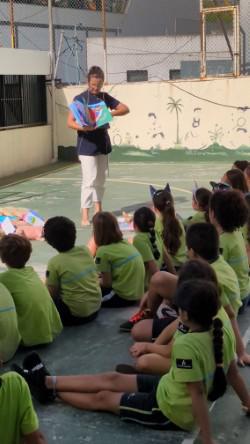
(22, 101)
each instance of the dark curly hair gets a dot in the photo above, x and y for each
(230, 209)
(204, 241)
(60, 233)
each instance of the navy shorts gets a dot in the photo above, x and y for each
(112, 300)
(142, 408)
(66, 316)
(159, 325)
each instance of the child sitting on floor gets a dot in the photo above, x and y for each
(9, 334)
(229, 212)
(18, 420)
(200, 204)
(203, 242)
(149, 243)
(169, 228)
(120, 264)
(38, 319)
(71, 275)
(155, 357)
(201, 365)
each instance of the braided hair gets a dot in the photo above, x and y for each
(164, 203)
(144, 219)
(200, 299)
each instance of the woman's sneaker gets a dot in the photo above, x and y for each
(35, 372)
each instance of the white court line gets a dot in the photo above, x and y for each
(132, 182)
(147, 183)
(196, 433)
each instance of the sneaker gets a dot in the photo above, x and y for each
(17, 369)
(36, 372)
(137, 317)
(126, 369)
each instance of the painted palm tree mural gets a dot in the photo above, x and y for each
(176, 105)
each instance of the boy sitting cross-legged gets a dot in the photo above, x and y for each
(37, 316)
(71, 275)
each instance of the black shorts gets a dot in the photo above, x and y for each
(160, 324)
(66, 316)
(112, 300)
(141, 407)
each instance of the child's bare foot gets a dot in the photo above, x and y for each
(85, 223)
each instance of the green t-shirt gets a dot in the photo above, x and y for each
(74, 274)
(126, 266)
(197, 217)
(181, 256)
(142, 243)
(38, 319)
(235, 254)
(228, 283)
(244, 231)
(17, 414)
(192, 360)
(9, 334)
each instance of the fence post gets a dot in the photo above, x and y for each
(12, 24)
(203, 67)
(104, 35)
(53, 82)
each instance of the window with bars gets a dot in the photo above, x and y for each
(22, 101)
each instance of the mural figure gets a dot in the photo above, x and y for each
(217, 134)
(176, 105)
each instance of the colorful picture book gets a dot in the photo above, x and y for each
(94, 115)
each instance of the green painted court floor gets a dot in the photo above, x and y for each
(99, 347)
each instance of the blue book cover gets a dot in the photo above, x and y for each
(94, 115)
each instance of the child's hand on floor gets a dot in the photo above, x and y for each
(138, 349)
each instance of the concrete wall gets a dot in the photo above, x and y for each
(191, 115)
(24, 62)
(22, 149)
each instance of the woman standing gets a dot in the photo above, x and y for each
(93, 144)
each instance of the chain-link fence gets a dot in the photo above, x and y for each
(133, 40)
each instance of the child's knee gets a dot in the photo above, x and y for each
(142, 331)
(143, 364)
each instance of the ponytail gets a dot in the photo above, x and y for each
(219, 381)
(163, 202)
(152, 239)
(144, 219)
(171, 230)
